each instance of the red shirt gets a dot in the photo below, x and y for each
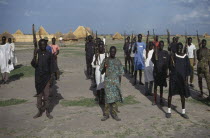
(156, 43)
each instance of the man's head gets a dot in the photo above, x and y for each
(203, 43)
(112, 51)
(156, 38)
(179, 48)
(42, 44)
(174, 39)
(90, 38)
(3, 40)
(161, 45)
(139, 37)
(53, 40)
(128, 39)
(189, 40)
(46, 39)
(9, 40)
(151, 45)
(101, 47)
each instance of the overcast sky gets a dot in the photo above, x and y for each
(106, 16)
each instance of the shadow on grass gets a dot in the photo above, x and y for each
(151, 98)
(196, 99)
(90, 102)
(21, 71)
(54, 97)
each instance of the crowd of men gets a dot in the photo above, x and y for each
(105, 70)
(176, 63)
(7, 59)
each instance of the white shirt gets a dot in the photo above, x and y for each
(104, 40)
(190, 50)
(60, 38)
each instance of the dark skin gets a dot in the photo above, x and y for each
(127, 59)
(161, 46)
(10, 40)
(112, 53)
(3, 40)
(3, 43)
(156, 38)
(200, 82)
(189, 42)
(140, 71)
(101, 50)
(179, 52)
(53, 42)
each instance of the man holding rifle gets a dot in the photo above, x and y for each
(43, 64)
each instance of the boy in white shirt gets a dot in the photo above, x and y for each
(191, 50)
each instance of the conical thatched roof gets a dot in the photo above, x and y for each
(42, 31)
(58, 34)
(89, 30)
(18, 32)
(81, 32)
(69, 36)
(117, 36)
(7, 35)
(205, 34)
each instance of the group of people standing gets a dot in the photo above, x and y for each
(105, 70)
(7, 58)
(176, 64)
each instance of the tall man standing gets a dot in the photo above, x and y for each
(43, 64)
(191, 55)
(55, 52)
(113, 69)
(139, 59)
(160, 72)
(203, 67)
(127, 55)
(89, 49)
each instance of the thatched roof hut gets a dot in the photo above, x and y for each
(69, 36)
(81, 32)
(42, 31)
(117, 36)
(18, 32)
(205, 35)
(58, 34)
(7, 35)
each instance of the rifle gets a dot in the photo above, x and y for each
(153, 34)
(34, 41)
(147, 44)
(168, 33)
(96, 47)
(199, 43)
(185, 48)
(131, 43)
(156, 48)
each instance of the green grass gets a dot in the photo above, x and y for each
(11, 102)
(22, 71)
(90, 102)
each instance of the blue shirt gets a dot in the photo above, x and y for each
(49, 48)
(139, 58)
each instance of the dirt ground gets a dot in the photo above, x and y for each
(138, 120)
